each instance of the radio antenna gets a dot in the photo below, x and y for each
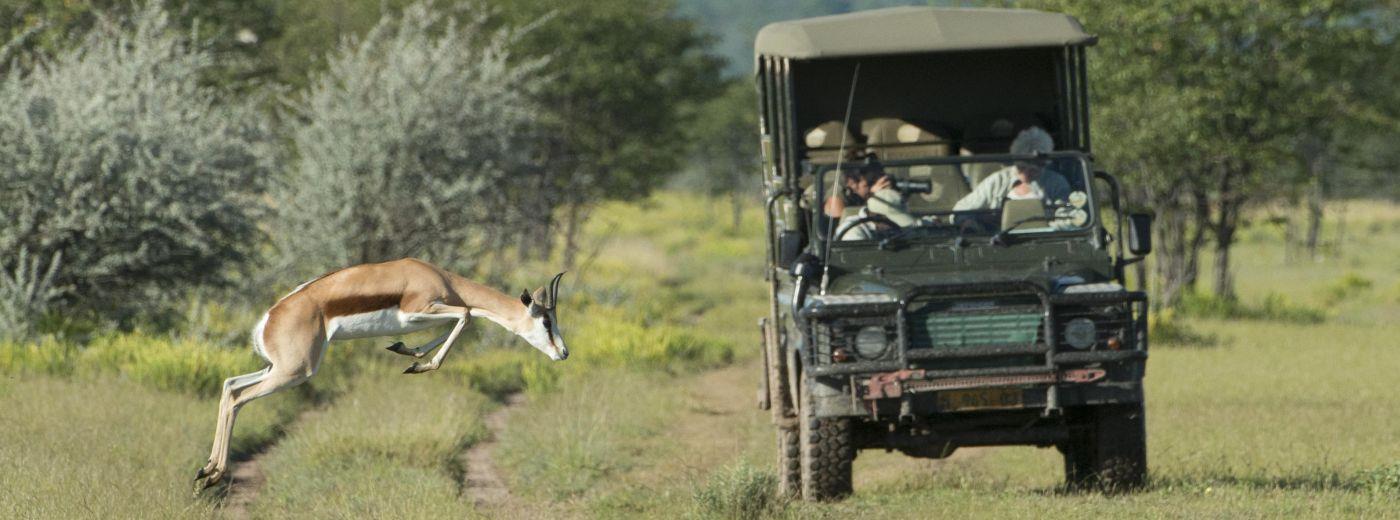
(836, 182)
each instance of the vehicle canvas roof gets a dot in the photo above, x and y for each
(909, 30)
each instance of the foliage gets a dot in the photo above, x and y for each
(1167, 329)
(1204, 103)
(1346, 287)
(1382, 480)
(628, 77)
(407, 144)
(116, 157)
(1274, 306)
(740, 491)
(725, 160)
(26, 293)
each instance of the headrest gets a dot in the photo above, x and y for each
(824, 142)
(892, 138)
(828, 135)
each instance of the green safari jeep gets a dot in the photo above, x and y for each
(943, 323)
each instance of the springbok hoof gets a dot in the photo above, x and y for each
(210, 477)
(417, 369)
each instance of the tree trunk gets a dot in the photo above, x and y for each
(1227, 222)
(736, 200)
(576, 216)
(1313, 160)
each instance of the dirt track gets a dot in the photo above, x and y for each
(483, 484)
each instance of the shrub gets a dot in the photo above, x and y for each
(1382, 480)
(1275, 307)
(46, 356)
(25, 294)
(166, 364)
(1165, 329)
(409, 144)
(1348, 286)
(115, 156)
(739, 492)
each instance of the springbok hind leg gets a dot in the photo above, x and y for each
(222, 427)
(272, 381)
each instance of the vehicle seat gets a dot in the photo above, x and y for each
(824, 143)
(1013, 211)
(823, 146)
(976, 172)
(893, 139)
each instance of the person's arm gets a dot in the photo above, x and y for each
(981, 196)
(889, 202)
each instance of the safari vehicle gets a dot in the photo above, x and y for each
(984, 327)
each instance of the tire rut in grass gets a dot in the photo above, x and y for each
(481, 481)
(246, 477)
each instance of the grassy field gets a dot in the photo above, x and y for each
(1269, 414)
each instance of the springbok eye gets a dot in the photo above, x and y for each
(547, 325)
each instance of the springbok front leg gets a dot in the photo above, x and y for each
(399, 348)
(441, 311)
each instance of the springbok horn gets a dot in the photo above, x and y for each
(554, 290)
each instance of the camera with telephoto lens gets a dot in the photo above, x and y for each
(907, 186)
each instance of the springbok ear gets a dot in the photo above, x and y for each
(525, 297)
(541, 297)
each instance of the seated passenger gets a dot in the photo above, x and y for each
(870, 186)
(1024, 180)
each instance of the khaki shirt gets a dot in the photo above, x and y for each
(992, 191)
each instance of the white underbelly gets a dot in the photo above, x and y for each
(384, 322)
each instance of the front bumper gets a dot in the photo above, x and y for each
(907, 384)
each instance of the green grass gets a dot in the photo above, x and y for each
(385, 449)
(109, 448)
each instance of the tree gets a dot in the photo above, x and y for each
(725, 156)
(116, 157)
(1223, 89)
(412, 142)
(627, 77)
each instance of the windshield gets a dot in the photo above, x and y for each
(955, 196)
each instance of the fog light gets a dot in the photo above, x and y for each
(1114, 343)
(840, 355)
(871, 342)
(1080, 333)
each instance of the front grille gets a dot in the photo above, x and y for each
(1109, 321)
(841, 333)
(972, 323)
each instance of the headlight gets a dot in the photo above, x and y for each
(871, 342)
(1080, 333)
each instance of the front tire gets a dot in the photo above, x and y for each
(1107, 448)
(789, 463)
(826, 453)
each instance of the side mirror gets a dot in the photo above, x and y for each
(789, 246)
(1140, 234)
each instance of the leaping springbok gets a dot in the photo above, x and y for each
(366, 301)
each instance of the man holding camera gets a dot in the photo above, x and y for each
(868, 185)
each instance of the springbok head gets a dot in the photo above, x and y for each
(543, 333)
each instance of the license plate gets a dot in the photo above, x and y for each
(979, 399)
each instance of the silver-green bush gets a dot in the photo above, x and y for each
(115, 156)
(410, 143)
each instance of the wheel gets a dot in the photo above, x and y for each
(826, 452)
(789, 463)
(1107, 448)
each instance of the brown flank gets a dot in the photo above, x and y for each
(361, 304)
